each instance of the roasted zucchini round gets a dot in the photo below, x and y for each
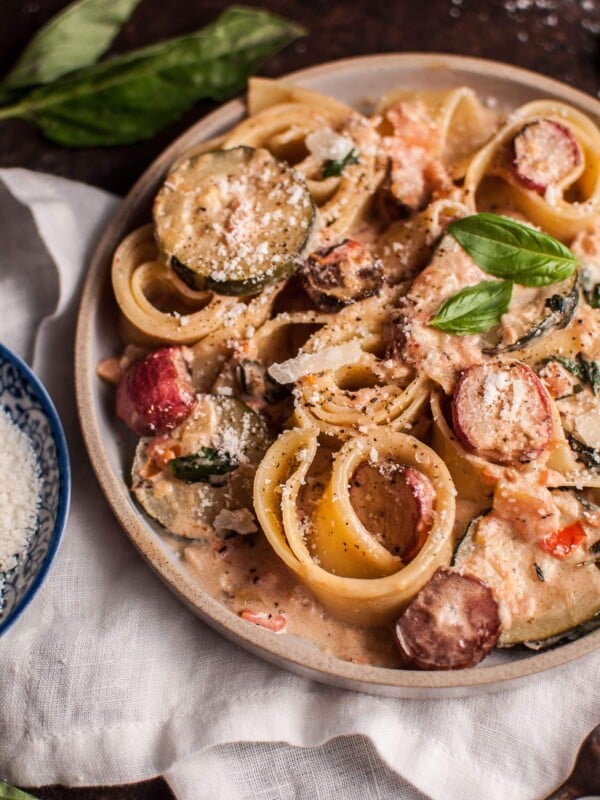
(205, 466)
(233, 221)
(549, 597)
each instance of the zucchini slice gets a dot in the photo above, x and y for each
(556, 597)
(221, 445)
(233, 221)
(568, 636)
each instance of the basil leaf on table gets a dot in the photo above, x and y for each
(131, 97)
(73, 39)
(12, 793)
(508, 249)
(474, 309)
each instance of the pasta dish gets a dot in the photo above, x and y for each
(360, 365)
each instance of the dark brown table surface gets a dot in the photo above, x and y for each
(560, 38)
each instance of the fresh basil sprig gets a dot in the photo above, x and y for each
(12, 793)
(505, 249)
(474, 309)
(130, 97)
(336, 168)
(509, 249)
(73, 39)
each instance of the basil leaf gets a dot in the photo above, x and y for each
(474, 309)
(508, 249)
(12, 793)
(73, 39)
(336, 168)
(130, 97)
(202, 466)
(590, 372)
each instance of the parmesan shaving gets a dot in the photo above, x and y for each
(307, 363)
(325, 145)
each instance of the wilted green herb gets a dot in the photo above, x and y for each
(333, 169)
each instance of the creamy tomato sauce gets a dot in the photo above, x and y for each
(245, 575)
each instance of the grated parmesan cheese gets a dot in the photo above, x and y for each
(19, 493)
(306, 363)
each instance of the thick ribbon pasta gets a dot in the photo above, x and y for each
(461, 122)
(332, 552)
(564, 209)
(373, 390)
(158, 307)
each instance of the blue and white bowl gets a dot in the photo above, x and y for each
(26, 401)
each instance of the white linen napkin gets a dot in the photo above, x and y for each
(106, 678)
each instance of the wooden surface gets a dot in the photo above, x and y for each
(560, 38)
(555, 37)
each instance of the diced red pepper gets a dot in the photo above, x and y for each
(163, 449)
(561, 543)
(273, 622)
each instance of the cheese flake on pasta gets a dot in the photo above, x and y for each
(307, 363)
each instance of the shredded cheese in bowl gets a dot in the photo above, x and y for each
(35, 485)
(19, 492)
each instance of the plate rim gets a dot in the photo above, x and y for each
(280, 651)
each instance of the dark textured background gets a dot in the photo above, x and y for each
(560, 38)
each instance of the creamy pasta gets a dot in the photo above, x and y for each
(361, 363)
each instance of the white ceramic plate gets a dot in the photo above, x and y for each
(359, 82)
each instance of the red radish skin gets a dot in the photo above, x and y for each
(156, 393)
(544, 152)
(452, 623)
(502, 412)
(395, 504)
